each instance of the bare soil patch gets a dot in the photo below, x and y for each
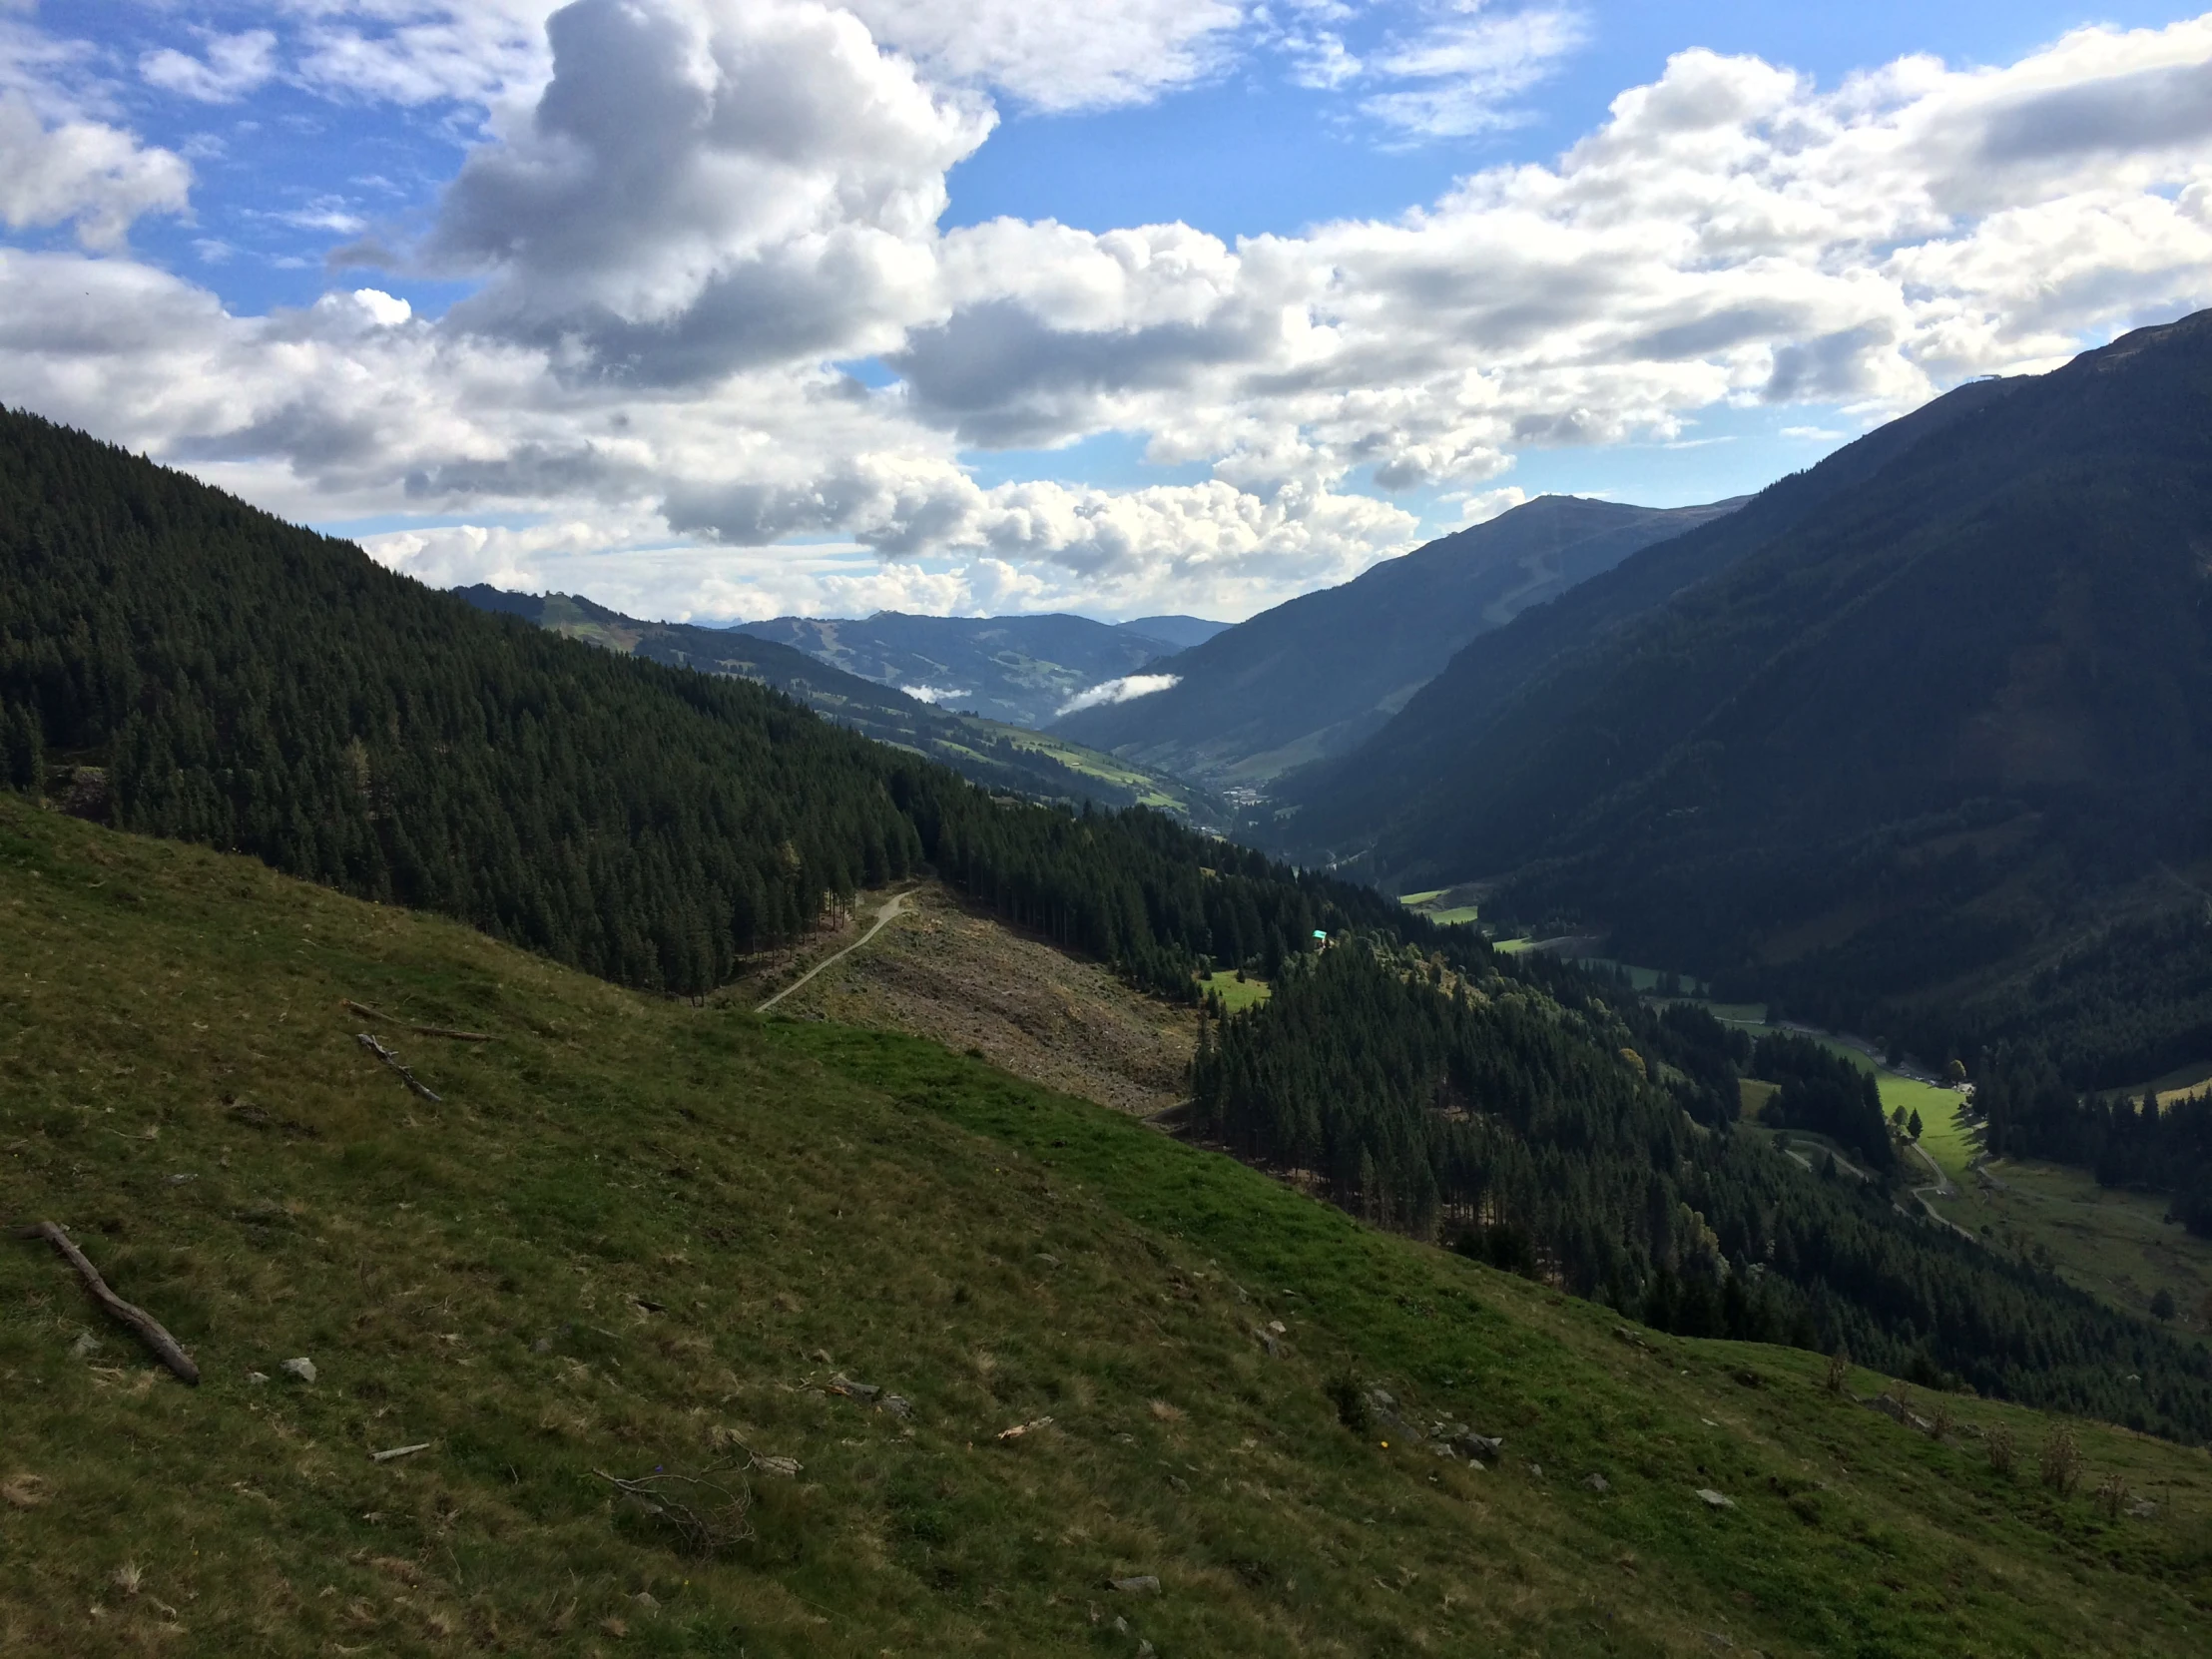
(944, 971)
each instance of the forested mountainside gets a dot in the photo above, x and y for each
(1317, 674)
(1541, 1125)
(984, 751)
(1902, 764)
(178, 663)
(1403, 773)
(1017, 669)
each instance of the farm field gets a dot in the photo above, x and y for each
(1447, 906)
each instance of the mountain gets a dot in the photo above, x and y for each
(985, 751)
(1016, 669)
(1312, 677)
(1931, 752)
(1176, 633)
(1341, 804)
(176, 662)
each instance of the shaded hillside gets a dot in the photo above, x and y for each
(984, 751)
(1017, 669)
(1341, 805)
(637, 1239)
(1913, 745)
(181, 663)
(1315, 675)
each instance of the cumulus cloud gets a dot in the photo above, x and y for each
(86, 174)
(703, 188)
(1089, 54)
(682, 215)
(933, 694)
(1124, 689)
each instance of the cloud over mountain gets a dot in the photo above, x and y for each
(685, 229)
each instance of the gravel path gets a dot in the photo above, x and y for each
(892, 907)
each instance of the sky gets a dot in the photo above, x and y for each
(718, 310)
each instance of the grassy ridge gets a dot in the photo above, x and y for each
(636, 1235)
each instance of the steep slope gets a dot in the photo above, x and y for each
(1930, 734)
(644, 1241)
(194, 668)
(1017, 669)
(1343, 803)
(1312, 677)
(984, 751)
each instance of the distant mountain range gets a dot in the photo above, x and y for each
(1314, 677)
(1017, 669)
(1920, 740)
(985, 751)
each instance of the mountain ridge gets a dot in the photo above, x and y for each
(1315, 675)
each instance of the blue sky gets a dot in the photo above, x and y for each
(1123, 307)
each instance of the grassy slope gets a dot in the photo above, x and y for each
(691, 1211)
(1236, 994)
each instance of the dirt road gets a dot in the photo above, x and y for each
(892, 907)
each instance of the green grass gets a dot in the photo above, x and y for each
(2112, 1244)
(1510, 947)
(1236, 993)
(636, 1235)
(1414, 900)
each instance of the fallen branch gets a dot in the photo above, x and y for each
(705, 1514)
(392, 1060)
(366, 1012)
(148, 1328)
(398, 1452)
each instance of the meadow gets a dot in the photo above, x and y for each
(637, 1240)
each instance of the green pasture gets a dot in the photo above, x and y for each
(1236, 993)
(2115, 1244)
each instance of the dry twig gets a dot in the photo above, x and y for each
(166, 1347)
(366, 1012)
(705, 1514)
(392, 1060)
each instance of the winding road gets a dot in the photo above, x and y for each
(892, 906)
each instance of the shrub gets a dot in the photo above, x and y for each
(2060, 1460)
(2002, 1454)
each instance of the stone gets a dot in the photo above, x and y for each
(1712, 1499)
(1141, 1584)
(85, 1346)
(785, 1467)
(1266, 1341)
(1597, 1483)
(303, 1369)
(863, 1391)
(1279, 1328)
(1145, 1650)
(2142, 1508)
(1482, 1447)
(256, 1378)
(898, 1405)
(544, 1344)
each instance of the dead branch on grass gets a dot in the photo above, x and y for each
(366, 1012)
(392, 1060)
(165, 1346)
(705, 1514)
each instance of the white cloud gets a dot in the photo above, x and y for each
(82, 172)
(933, 694)
(1124, 689)
(233, 66)
(696, 208)
(1465, 69)
(1061, 54)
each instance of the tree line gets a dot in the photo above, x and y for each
(1526, 1114)
(251, 686)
